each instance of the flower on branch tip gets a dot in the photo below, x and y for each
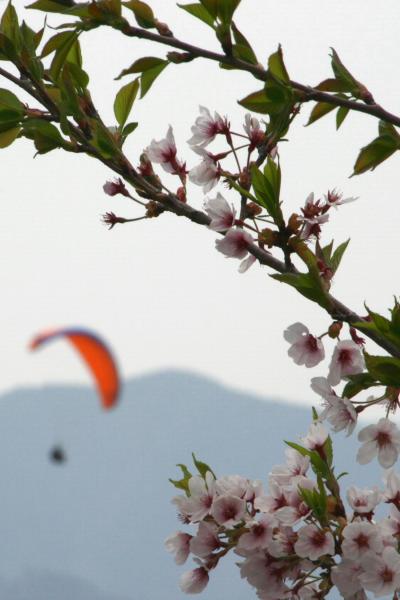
(305, 348)
(314, 215)
(111, 219)
(112, 188)
(164, 152)
(235, 244)
(222, 215)
(253, 130)
(178, 544)
(313, 542)
(335, 198)
(382, 440)
(206, 127)
(194, 582)
(207, 173)
(346, 360)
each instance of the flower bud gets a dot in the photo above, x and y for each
(179, 57)
(294, 223)
(268, 237)
(334, 329)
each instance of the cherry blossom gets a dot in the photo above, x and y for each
(360, 538)
(259, 534)
(392, 487)
(313, 542)
(346, 360)
(228, 510)
(382, 439)
(163, 152)
(305, 348)
(206, 540)
(222, 215)
(178, 544)
(363, 501)
(194, 582)
(235, 243)
(316, 436)
(346, 577)
(253, 131)
(112, 188)
(381, 573)
(313, 217)
(206, 127)
(335, 198)
(207, 173)
(296, 464)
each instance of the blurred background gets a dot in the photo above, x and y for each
(200, 347)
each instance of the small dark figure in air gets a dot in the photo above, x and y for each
(57, 455)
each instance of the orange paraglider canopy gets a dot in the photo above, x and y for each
(95, 354)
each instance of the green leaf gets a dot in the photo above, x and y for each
(266, 187)
(55, 42)
(200, 12)
(124, 101)
(275, 99)
(148, 77)
(127, 130)
(202, 467)
(65, 7)
(375, 153)
(342, 73)
(143, 64)
(358, 383)
(320, 110)
(300, 449)
(9, 26)
(337, 256)
(7, 137)
(182, 484)
(45, 135)
(333, 85)
(242, 48)
(64, 52)
(385, 369)
(211, 7)
(308, 285)
(277, 67)
(341, 115)
(143, 13)
(225, 8)
(11, 108)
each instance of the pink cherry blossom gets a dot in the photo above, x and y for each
(206, 127)
(295, 508)
(276, 498)
(363, 501)
(207, 173)
(305, 348)
(259, 534)
(246, 263)
(112, 188)
(391, 525)
(382, 439)
(253, 131)
(222, 215)
(283, 542)
(346, 360)
(194, 582)
(346, 577)
(335, 199)
(235, 243)
(316, 436)
(381, 573)
(206, 540)
(163, 152)
(228, 510)
(296, 464)
(265, 574)
(360, 538)
(392, 488)
(313, 542)
(178, 544)
(236, 485)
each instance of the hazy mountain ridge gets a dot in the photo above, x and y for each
(100, 520)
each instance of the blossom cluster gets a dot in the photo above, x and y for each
(287, 548)
(381, 439)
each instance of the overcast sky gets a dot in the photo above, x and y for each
(158, 291)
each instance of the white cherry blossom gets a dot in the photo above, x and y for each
(178, 544)
(305, 348)
(228, 510)
(382, 440)
(207, 173)
(206, 127)
(363, 501)
(381, 573)
(235, 243)
(222, 215)
(347, 359)
(360, 538)
(194, 582)
(313, 542)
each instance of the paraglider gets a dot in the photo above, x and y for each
(57, 455)
(95, 354)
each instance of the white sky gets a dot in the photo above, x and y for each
(158, 291)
